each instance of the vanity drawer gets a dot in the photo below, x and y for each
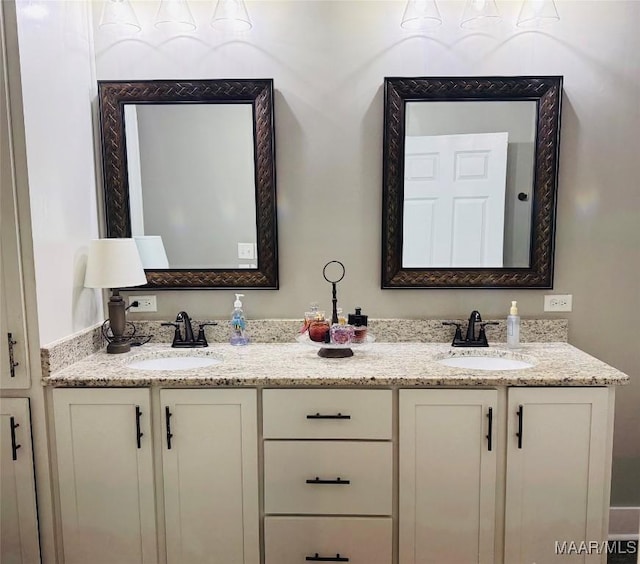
(289, 465)
(327, 414)
(295, 540)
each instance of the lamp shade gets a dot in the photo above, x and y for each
(119, 13)
(152, 253)
(535, 13)
(231, 15)
(174, 16)
(421, 15)
(480, 13)
(114, 263)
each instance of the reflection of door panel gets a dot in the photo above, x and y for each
(454, 198)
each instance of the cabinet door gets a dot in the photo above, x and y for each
(210, 465)
(14, 372)
(18, 519)
(556, 472)
(447, 476)
(105, 473)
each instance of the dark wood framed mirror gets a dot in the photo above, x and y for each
(193, 162)
(470, 171)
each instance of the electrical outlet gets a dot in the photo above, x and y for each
(558, 302)
(145, 303)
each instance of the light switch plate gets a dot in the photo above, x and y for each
(558, 302)
(246, 251)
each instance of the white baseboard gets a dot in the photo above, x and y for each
(624, 523)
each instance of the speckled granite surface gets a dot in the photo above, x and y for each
(60, 354)
(376, 364)
(66, 352)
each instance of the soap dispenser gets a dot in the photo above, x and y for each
(238, 324)
(513, 326)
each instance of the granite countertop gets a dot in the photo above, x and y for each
(373, 365)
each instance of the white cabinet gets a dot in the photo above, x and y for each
(447, 474)
(549, 453)
(14, 372)
(328, 476)
(105, 474)
(557, 472)
(18, 519)
(210, 466)
(209, 479)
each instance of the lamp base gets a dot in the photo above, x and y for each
(118, 346)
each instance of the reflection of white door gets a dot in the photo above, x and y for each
(454, 195)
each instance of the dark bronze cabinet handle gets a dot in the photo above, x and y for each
(337, 416)
(12, 362)
(317, 558)
(167, 418)
(14, 445)
(520, 422)
(139, 433)
(490, 429)
(338, 481)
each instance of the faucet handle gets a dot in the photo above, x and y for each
(177, 338)
(458, 335)
(482, 336)
(202, 338)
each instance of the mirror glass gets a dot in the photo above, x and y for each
(192, 181)
(189, 172)
(468, 182)
(470, 169)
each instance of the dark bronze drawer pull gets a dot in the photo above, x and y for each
(337, 416)
(14, 444)
(338, 481)
(336, 558)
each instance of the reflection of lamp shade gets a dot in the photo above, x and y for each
(420, 15)
(151, 251)
(119, 13)
(175, 16)
(479, 14)
(231, 15)
(114, 263)
(535, 13)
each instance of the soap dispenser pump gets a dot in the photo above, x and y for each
(238, 324)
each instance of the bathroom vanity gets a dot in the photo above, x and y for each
(275, 455)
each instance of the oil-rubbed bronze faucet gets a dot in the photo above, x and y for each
(188, 341)
(471, 340)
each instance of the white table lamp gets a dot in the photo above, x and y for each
(115, 264)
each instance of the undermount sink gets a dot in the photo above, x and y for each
(485, 363)
(174, 363)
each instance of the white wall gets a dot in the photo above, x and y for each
(56, 62)
(328, 60)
